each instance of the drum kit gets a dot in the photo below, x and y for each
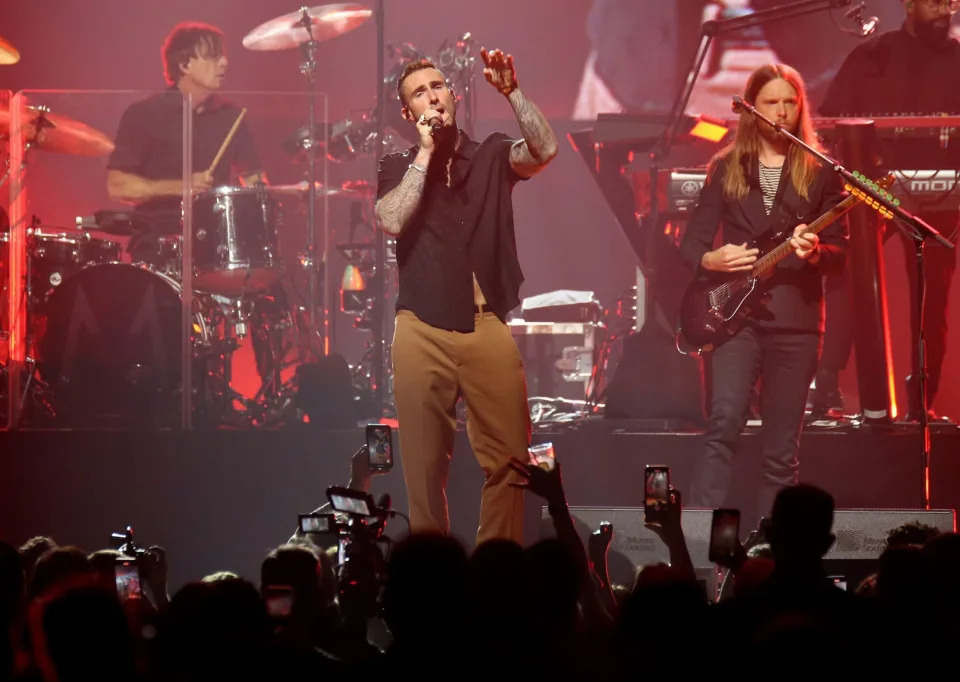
(102, 333)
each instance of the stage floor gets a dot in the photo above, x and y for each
(219, 500)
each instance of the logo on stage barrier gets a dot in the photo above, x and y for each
(848, 541)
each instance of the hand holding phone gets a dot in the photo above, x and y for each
(724, 536)
(599, 541)
(127, 577)
(379, 447)
(656, 493)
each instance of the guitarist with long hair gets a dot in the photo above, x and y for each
(762, 188)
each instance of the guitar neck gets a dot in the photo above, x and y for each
(769, 261)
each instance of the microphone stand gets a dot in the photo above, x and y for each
(379, 238)
(915, 228)
(712, 29)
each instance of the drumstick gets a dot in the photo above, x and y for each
(223, 147)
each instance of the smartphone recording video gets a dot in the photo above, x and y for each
(127, 577)
(278, 600)
(379, 447)
(724, 534)
(656, 492)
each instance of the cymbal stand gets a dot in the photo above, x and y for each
(32, 384)
(309, 70)
(6, 172)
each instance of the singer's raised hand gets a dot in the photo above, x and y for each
(499, 71)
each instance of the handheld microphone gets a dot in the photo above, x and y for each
(436, 125)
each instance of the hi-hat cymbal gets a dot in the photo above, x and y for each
(56, 133)
(289, 31)
(8, 53)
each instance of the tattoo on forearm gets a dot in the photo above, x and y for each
(396, 207)
(540, 142)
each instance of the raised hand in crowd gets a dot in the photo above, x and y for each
(548, 484)
(670, 530)
(598, 544)
(153, 571)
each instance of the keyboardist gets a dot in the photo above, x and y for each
(909, 71)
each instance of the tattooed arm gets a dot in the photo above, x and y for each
(396, 207)
(539, 145)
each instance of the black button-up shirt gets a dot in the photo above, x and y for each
(893, 74)
(458, 230)
(149, 143)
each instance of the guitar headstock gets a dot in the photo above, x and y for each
(879, 187)
(886, 181)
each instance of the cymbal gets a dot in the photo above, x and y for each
(297, 143)
(59, 134)
(360, 187)
(288, 31)
(8, 53)
(303, 186)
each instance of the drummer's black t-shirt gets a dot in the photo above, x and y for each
(149, 143)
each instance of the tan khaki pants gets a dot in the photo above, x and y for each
(431, 369)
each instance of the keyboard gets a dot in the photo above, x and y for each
(918, 190)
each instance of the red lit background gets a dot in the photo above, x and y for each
(567, 235)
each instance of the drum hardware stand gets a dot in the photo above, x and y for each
(33, 383)
(309, 69)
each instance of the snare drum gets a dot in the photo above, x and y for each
(235, 240)
(110, 348)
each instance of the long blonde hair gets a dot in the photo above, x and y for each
(802, 167)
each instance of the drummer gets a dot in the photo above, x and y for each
(146, 166)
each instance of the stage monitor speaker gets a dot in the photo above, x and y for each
(861, 538)
(862, 533)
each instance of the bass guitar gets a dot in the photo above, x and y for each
(716, 304)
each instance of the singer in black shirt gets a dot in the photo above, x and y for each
(910, 71)
(448, 201)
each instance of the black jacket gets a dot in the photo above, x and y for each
(796, 287)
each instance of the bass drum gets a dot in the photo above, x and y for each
(109, 349)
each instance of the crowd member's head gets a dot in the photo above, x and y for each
(33, 549)
(58, 565)
(911, 533)
(80, 632)
(800, 527)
